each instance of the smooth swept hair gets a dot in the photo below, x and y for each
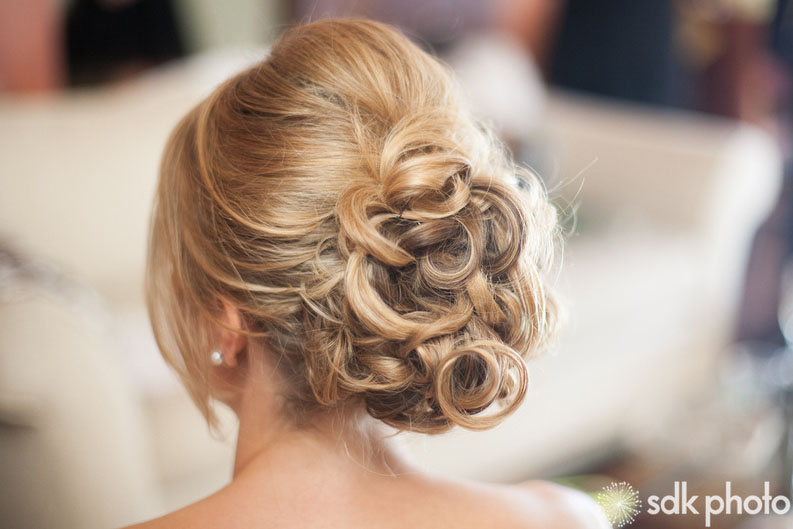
(375, 238)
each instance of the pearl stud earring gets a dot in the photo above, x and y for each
(216, 358)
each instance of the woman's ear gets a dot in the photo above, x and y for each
(232, 342)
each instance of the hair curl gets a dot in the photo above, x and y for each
(373, 235)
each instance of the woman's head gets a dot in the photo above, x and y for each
(374, 239)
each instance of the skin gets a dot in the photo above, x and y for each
(343, 472)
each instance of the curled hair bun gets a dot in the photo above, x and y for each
(441, 284)
(374, 235)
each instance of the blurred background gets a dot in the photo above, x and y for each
(662, 129)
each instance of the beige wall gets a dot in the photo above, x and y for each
(210, 24)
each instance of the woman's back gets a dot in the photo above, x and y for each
(330, 489)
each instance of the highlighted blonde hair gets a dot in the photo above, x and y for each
(373, 236)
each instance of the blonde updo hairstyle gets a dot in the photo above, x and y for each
(372, 235)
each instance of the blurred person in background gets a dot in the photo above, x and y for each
(46, 44)
(109, 40)
(751, 78)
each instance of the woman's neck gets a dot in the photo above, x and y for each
(270, 442)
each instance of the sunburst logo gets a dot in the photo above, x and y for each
(620, 502)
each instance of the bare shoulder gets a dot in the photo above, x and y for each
(435, 502)
(169, 521)
(562, 507)
(194, 516)
(530, 505)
